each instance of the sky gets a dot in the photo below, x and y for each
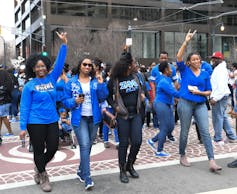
(7, 18)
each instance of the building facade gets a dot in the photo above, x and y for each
(153, 25)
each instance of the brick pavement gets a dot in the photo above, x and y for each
(12, 171)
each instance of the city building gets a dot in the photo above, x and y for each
(152, 25)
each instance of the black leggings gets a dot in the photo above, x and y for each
(43, 136)
(129, 130)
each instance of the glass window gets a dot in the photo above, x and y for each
(173, 41)
(136, 44)
(170, 44)
(148, 45)
(82, 8)
(124, 11)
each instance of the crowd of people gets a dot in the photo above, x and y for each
(55, 98)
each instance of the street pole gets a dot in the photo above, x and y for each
(4, 51)
(129, 38)
(43, 25)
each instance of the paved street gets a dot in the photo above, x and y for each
(157, 175)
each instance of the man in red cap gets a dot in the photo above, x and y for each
(219, 97)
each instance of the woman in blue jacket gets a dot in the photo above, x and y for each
(38, 112)
(84, 91)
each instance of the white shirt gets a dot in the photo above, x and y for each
(86, 105)
(219, 82)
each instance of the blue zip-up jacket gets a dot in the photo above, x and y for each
(99, 92)
(38, 99)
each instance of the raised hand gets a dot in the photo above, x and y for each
(62, 36)
(190, 35)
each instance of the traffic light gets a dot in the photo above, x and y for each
(44, 53)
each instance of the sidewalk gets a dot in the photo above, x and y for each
(173, 179)
(157, 175)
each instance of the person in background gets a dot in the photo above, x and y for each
(219, 99)
(107, 107)
(195, 87)
(163, 105)
(60, 86)
(14, 96)
(38, 114)
(151, 93)
(6, 87)
(155, 78)
(126, 96)
(83, 93)
(99, 69)
(148, 106)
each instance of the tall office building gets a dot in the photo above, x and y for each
(100, 27)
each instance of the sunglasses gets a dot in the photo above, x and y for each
(87, 64)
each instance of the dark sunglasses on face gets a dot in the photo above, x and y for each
(87, 64)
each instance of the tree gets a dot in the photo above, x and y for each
(106, 44)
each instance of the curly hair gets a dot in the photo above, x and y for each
(122, 65)
(92, 73)
(32, 61)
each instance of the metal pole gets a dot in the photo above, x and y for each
(4, 50)
(43, 26)
(129, 36)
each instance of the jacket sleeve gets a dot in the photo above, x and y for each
(59, 63)
(25, 106)
(169, 89)
(102, 91)
(68, 99)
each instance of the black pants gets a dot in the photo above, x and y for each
(129, 131)
(43, 136)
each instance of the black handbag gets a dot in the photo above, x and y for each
(109, 119)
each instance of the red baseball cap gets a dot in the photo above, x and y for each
(217, 55)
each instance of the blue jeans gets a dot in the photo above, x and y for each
(166, 119)
(155, 117)
(14, 102)
(186, 109)
(220, 120)
(85, 134)
(157, 109)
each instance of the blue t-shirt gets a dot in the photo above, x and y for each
(206, 67)
(202, 82)
(38, 99)
(166, 91)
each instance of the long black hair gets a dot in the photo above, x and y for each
(91, 74)
(122, 65)
(32, 61)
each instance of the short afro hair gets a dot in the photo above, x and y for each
(32, 61)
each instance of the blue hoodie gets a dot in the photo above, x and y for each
(99, 92)
(38, 99)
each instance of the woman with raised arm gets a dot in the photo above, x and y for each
(125, 96)
(83, 93)
(195, 86)
(38, 114)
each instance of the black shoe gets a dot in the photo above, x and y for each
(31, 148)
(131, 170)
(0, 140)
(123, 175)
(232, 164)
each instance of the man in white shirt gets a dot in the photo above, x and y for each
(219, 97)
